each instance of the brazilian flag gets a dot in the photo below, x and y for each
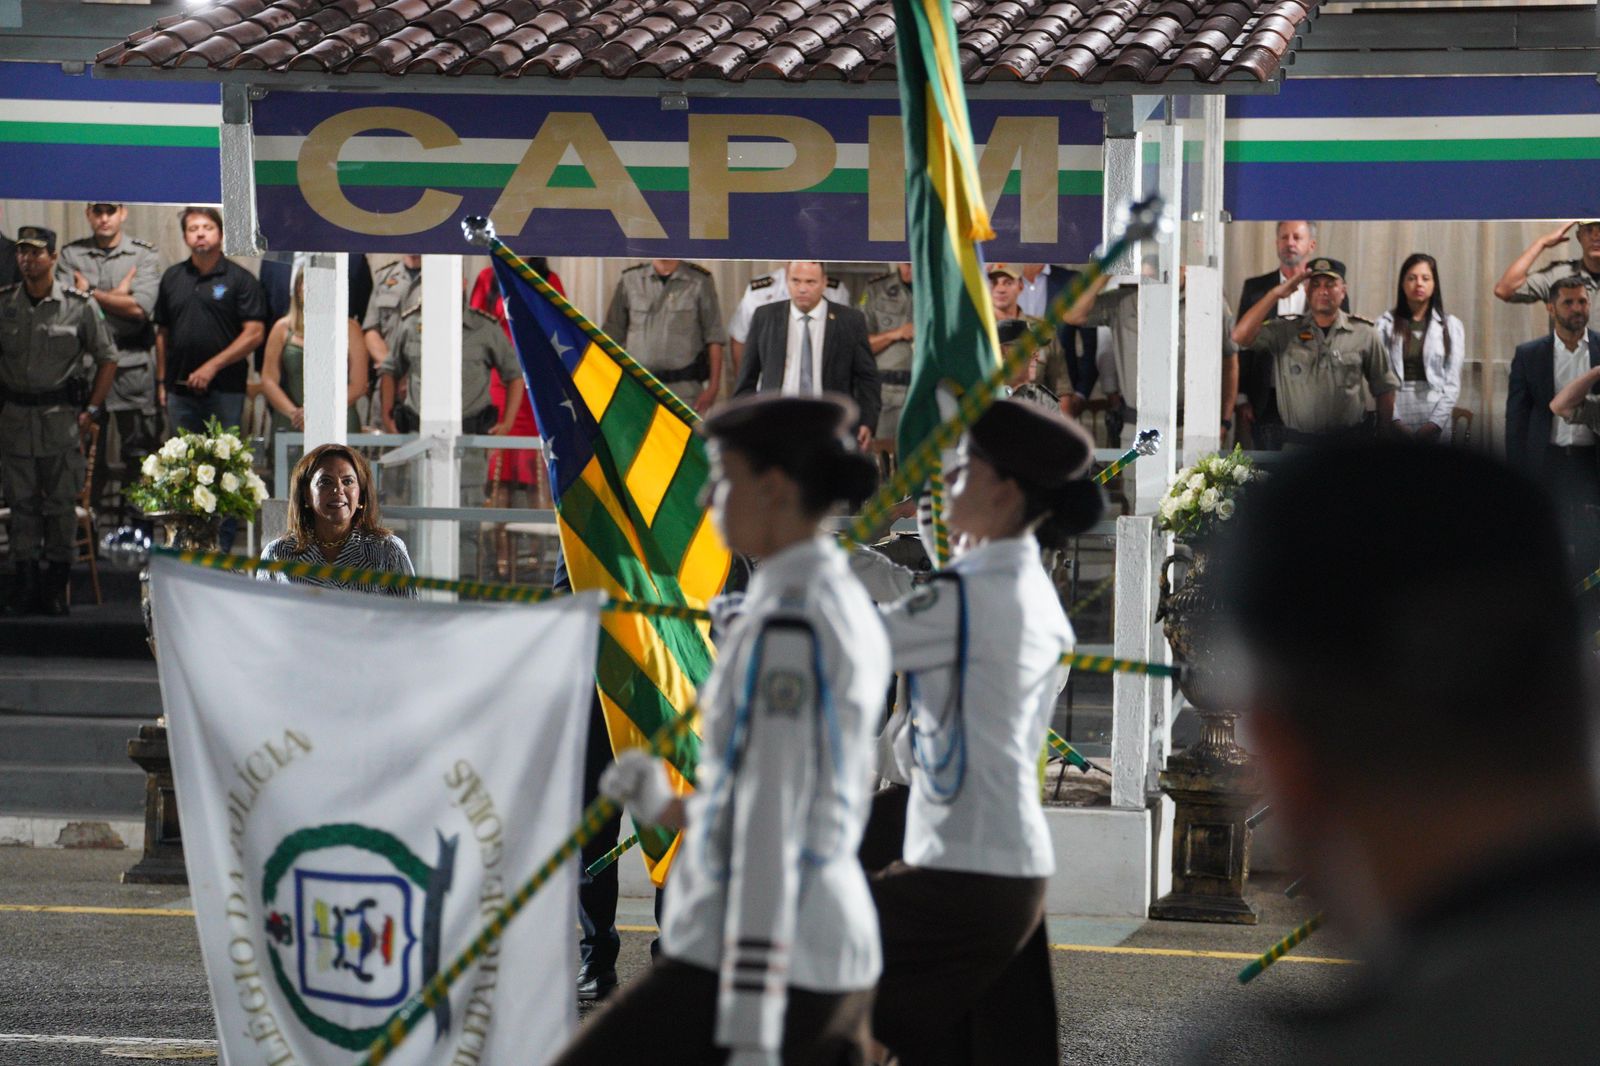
(955, 344)
(625, 471)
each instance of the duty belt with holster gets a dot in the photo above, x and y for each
(699, 370)
(142, 339)
(407, 420)
(72, 393)
(894, 377)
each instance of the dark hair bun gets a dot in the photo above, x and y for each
(1073, 509)
(853, 478)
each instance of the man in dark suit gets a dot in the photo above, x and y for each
(1297, 243)
(807, 345)
(1379, 670)
(1562, 455)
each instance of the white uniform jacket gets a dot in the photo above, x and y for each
(982, 644)
(766, 889)
(769, 289)
(1444, 375)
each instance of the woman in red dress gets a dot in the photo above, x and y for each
(511, 469)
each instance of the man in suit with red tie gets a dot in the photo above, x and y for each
(805, 345)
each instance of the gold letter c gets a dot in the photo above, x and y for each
(318, 171)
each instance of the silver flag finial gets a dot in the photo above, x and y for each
(1149, 442)
(477, 229)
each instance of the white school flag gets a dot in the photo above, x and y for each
(362, 781)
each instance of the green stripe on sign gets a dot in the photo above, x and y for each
(648, 179)
(1486, 149)
(108, 134)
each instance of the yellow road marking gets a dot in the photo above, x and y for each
(1188, 953)
(145, 912)
(1091, 949)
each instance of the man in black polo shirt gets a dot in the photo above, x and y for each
(210, 315)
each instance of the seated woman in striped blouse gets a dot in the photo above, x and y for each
(333, 518)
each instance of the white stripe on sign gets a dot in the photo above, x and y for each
(1430, 128)
(105, 112)
(509, 151)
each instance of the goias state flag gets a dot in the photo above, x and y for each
(955, 345)
(626, 471)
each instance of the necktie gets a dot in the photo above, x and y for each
(806, 387)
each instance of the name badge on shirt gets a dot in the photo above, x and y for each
(219, 290)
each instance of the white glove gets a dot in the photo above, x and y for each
(753, 1056)
(638, 781)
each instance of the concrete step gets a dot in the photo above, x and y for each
(71, 791)
(77, 687)
(38, 740)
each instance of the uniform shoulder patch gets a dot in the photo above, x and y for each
(833, 282)
(881, 277)
(142, 243)
(480, 312)
(698, 268)
(413, 309)
(763, 282)
(1358, 318)
(73, 291)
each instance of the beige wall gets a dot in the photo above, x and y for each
(1471, 255)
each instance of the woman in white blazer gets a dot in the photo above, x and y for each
(1426, 347)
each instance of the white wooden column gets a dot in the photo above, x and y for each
(327, 348)
(440, 409)
(1131, 694)
(236, 151)
(1155, 391)
(1203, 304)
(1123, 180)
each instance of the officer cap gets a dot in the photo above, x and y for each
(810, 438)
(1582, 222)
(1010, 270)
(1031, 443)
(1331, 267)
(104, 203)
(38, 237)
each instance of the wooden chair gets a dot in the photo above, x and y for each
(85, 514)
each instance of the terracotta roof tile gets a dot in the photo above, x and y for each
(1030, 41)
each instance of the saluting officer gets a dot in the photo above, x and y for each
(1048, 368)
(890, 329)
(484, 347)
(45, 332)
(665, 314)
(122, 274)
(1320, 358)
(767, 289)
(769, 940)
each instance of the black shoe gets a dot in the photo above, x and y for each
(53, 593)
(24, 598)
(593, 987)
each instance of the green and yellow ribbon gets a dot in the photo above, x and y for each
(1281, 948)
(596, 815)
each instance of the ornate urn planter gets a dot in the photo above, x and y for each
(1213, 783)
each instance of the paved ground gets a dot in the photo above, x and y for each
(113, 972)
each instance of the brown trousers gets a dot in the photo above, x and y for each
(668, 1017)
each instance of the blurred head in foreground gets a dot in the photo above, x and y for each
(1413, 671)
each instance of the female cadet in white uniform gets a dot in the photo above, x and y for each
(966, 966)
(770, 938)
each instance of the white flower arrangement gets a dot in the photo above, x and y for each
(201, 474)
(1205, 495)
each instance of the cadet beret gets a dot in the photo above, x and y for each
(773, 421)
(1331, 267)
(1031, 443)
(38, 237)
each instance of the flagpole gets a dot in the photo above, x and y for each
(1145, 219)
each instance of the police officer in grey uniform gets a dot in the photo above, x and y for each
(1521, 284)
(483, 346)
(890, 328)
(395, 288)
(665, 315)
(122, 274)
(45, 332)
(1320, 359)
